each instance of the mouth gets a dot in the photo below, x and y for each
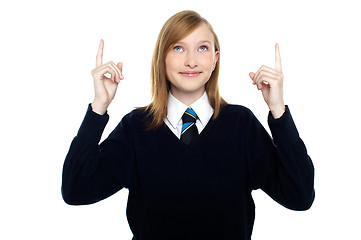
(190, 73)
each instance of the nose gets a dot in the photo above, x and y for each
(191, 60)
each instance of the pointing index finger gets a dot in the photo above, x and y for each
(278, 58)
(100, 54)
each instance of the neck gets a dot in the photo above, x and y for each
(187, 98)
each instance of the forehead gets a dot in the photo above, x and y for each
(201, 33)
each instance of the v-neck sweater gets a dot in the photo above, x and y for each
(197, 191)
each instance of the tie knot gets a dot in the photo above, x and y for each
(189, 128)
(189, 116)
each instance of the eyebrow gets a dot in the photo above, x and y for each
(203, 41)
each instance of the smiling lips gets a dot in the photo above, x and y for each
(190, 73)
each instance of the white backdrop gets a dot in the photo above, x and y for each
(48, 50)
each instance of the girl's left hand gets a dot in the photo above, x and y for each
(270, 82)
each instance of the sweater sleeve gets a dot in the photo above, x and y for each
(281, 166)
(92, 171)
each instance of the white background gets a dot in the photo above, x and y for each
(48, 50)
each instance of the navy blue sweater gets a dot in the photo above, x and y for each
(200, 191)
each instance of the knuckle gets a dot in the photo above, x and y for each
(95, 70)
(109, 69)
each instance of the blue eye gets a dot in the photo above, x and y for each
(203, 48)
(178, 49)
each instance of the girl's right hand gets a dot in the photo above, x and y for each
(105, 88)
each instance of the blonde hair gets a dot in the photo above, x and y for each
(176, 28)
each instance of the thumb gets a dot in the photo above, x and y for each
(120, 66)
(251, 75)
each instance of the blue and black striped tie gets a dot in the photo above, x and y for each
(189, 128)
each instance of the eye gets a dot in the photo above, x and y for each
(203, 48)
(178, 48)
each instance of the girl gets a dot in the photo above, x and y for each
(189, 159)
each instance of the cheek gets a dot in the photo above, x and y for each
(208, 61)
(170, 63)
(171, 68)
(168, 67)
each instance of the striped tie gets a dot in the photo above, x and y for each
(189, 128)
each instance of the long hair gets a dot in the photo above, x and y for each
(176, 28)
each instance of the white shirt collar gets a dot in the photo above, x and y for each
(176, 109)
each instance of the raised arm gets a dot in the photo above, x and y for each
(92, 172)
(280, 166)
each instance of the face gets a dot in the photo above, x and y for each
(190, 63)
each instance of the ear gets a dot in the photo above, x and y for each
(216, 57)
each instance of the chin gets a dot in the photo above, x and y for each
(190, 91)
